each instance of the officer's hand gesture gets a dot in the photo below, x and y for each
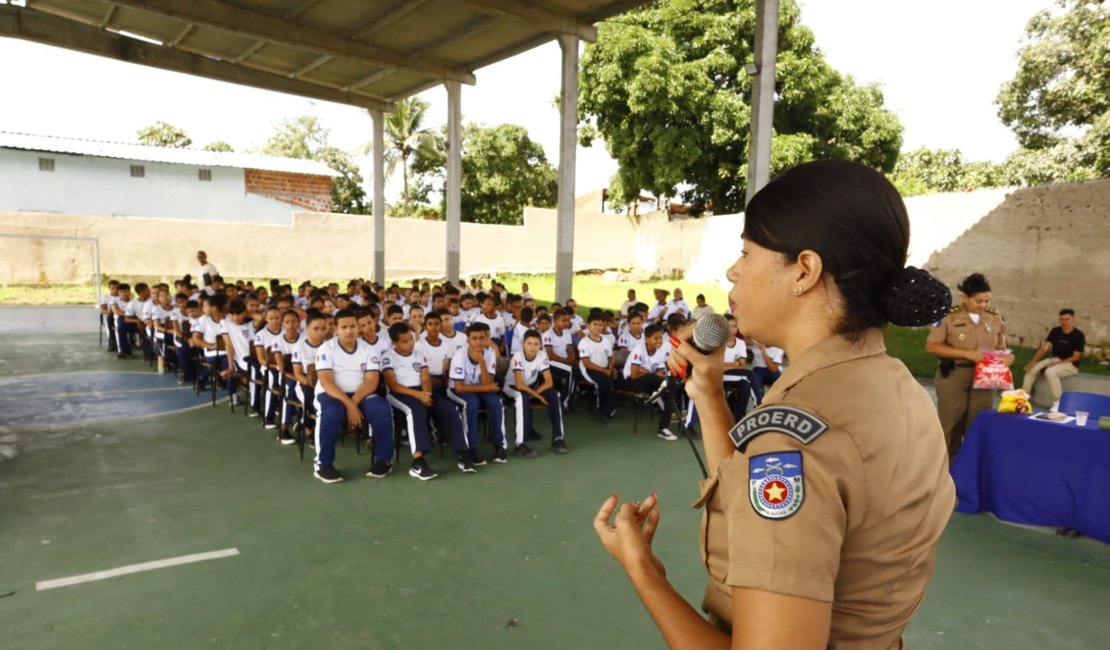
(628, 539)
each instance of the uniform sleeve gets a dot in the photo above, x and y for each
(795, 552)
(458, 372)
(386, 362)
(298, 355)
(545, 362)
(374, 361)
(324, 359)
(516, 363)
(938, 333)
(491, 362)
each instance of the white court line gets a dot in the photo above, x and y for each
(134, 568)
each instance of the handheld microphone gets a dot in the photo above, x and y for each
(710, 335)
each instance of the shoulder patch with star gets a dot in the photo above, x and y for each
(791, 420)
(776, 486)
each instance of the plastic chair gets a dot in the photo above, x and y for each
(1096, 405)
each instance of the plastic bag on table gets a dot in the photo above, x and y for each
(992, 373)
(1015, 401)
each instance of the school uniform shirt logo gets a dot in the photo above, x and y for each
(776, 486)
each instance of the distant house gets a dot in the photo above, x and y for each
(75, 176)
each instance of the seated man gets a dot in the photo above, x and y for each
(304, 365)
(557, 342)
(207, 333)
(529, 378)
(766, 368)
(405, 370)
(595, 362)
(348, 374)
(472, 386)
(644, 372)
(702, 309)
(1066, 344)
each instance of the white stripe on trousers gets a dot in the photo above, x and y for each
(462, 407)
(518, 402)
(404, 409)
(570, 381)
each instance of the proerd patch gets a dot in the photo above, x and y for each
(776, 486)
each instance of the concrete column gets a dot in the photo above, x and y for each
(763, 94)
(568, 141)
(379, 195)
(454, 178)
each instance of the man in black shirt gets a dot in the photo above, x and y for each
(1065, 343)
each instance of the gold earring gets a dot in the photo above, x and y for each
(798, 290)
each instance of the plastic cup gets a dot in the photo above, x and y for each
(1081, 418)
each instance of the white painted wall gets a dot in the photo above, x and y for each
(91, 185)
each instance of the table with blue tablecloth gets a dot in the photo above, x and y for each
(1036, 472)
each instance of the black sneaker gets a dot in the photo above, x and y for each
(380, 469)
(421, 470)
(254, 414)
(270, 424)
(666, 434)
(559, 446)
(525, 451)
(328, 474)
(286, 439)
(476, 459)
(465, 466)
(500, 456)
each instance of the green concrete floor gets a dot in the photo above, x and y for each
(503, 559)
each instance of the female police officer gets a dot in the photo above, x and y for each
(958, 340)
(825, 504)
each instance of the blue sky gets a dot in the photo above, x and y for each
(940, 64)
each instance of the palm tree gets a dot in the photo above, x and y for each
(404, 134)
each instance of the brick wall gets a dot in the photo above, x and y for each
(305, 191)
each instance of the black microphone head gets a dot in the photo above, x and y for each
(710, 333)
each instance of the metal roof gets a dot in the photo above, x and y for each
(367, 53)
(129, 151)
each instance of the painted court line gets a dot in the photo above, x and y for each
(134, 568)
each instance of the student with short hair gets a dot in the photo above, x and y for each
(735, 365)
(209, 329)
(263, 401)
(628, 304)
(766, 367)
(304, 365)
(577, 323)
(126, 323)
(530, 378)
(405, 370)
(348, 373)
(239, 332)
(489, 316)
(524, 324)
(438, 348)
(184, 313)
(558, 344)
(107, 316)
(472, 386)
(702, 310)
(595, 363)
(634, 335)
(644, 372)
(283, 347)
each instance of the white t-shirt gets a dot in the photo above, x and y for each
(435, 355)
(624, 307)
(280, 344)
(628, 341)
(773, 352)
(577, 324)
(702, 312)
(651, 363)
(525, 295)
(675, 306)
(518, 337)
(736, 352)
(210, 330)
(240, 335)
(107, 300)
(160, 314)
(381, 345)
(264, 338)
(529, 370)
(468, 372)
(657, 310)
(305, 353)
(201, 270)
(406, 369)
(350, 367)
(496, 324)
(598, 352)
(559, 343)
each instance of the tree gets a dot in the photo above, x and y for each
(503, 171)
(218, 145)
(304, 137)
(404, 134)
(1058, 103)
(666, 87)
(163, 134)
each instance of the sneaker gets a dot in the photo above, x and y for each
(254, 414)
(421, 470)
(234, 399)
(612, 415)
(500, 456)
(465, 466)
(476, 459)
(286, 439)
(666, 434)
(124, 355)
(380, 469)
(328, 474)
(270, 424)
(525, 450)
(559, 446)
(536, 435)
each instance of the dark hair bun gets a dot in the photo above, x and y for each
(915, 298)
(974, 284)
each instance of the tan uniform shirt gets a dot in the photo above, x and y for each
(851, 516)
(958, 330)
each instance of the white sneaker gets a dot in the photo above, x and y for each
(666, 434)
(1055, 406)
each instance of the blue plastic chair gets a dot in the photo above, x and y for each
(1093, 403)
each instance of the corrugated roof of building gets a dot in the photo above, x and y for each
(170, 155)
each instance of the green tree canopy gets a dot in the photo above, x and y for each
(404, 134)
(503, 171)
(219, 145)
(666, 87)
(305, 137)
(163, 134)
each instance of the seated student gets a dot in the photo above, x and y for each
(282, 347)
(304, 365)
(239, 330)
(529, 378)
(348, 373)
(702, 309)
(659, 309)
(394, 314)
(127, 323)
(628, 304)
(577, 323)
(263, 401)
(766, 368)
(107, 317)
(472, 385)
(543, 323)
(438, 349)
(208, 330)
(671, 328)
(161, 315)
(634, 335)
(184, 315)
(677, 306)
(561, 351)
(595, 362)
(611, 329)
(405, 371)
(491, 318)
(735, 365)
(644, 372)
(370, 332)
(1064, 346)
(511, 316)
(522, 326)
(416, 319)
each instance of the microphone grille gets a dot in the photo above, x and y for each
(711, 332)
